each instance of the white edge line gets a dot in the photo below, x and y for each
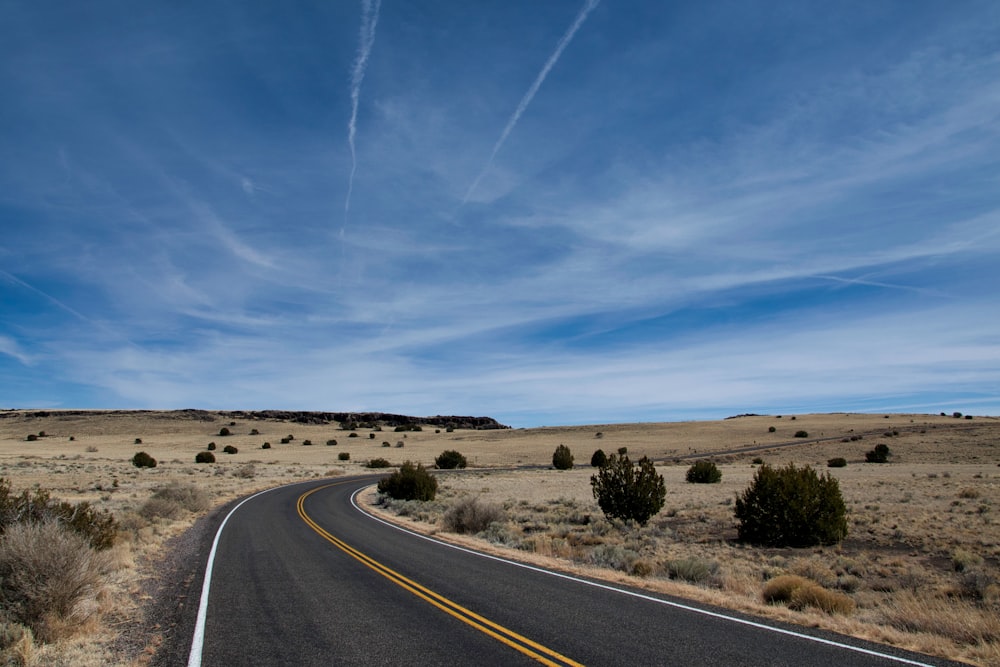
(641, 596)
(198, 640)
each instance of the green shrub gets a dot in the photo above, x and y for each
(598, 458)
(878, 455)
(266, 445)
(704, 472)
(31, 437)
(771, 429)
(371, 436)
(138, 441)
(99, 528)
(562, 458)
(352, 434)
(210, 447)
(143, 460)
(409, 483)
(285, 440)
(449, 460)
(801, 434)
(385, 443)
(378, 463)
(307, 443)
(791, 507)
(331, 443)
(229, 449)
(408, 427)
(837, 462)
(470, 516)
(204, 457)
(223, 431)
(344, 456)
(628, 492)
(254, 431)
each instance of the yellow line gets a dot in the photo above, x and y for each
(484, 625)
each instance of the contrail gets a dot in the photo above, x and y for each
(528, 96)
(366, 38)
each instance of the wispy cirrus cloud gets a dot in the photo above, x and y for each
(366, 39)
(522, 106)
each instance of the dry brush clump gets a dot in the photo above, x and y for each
(470, 515)
(799, 593)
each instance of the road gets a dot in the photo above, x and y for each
(300, 576)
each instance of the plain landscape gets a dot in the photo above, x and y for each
(919, 568)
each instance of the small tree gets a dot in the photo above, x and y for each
(791, 507)
(562, 458)
(143, 460)
(624, 491)
(450, 459)
(598, 459)
(704, 472)
(410, 482)
(878, 455)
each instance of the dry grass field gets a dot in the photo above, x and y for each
(919, 569)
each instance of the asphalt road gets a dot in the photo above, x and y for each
(310, 580)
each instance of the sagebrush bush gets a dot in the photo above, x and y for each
(223, 431)
(628, 492)
(470, 515)
(378, 463)
(229, 449)
(331, 443)
(792, 507)
(48, 573)
(450, 459)
(210, 447)
(837, 462)
(771, 429)
(143, 460)
(704, 472)
(598, 458)
(562, 458)
(266, 445)
(694, 570)
(188, 496)
(97, 527)
(801, 434)
(410, 482)
(307, 443)
(344, 456)
(204, 457)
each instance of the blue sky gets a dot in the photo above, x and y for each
(545, 212)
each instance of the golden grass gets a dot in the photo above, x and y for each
(920, 564)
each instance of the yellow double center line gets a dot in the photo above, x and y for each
(517, 642)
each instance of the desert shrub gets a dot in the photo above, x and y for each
(266, 445)
(31, 437)
(598, 458)
(837, 462)
(285, 440)
(469, 515)
(48, 575)
(956, 415)
(138, 441)
(449, 429)
(246, 471)
(400, 443)
(791, 507)
(254, 431)
(210, 447)
(802, 434)
(352, 434)
(371, 436)
(798, 593)
(143, 460)
(704, 472)
(344, 456)
(628, 492)
(204, 457)
(99, 528)
(562, 458)
(229, 449)
(694, 570)
(187, 496)
(161, 508)
(622, 451)
(385, 443)
(331, 443)
(450, 459)
(408, 427)
(613, 556)
(878, 455)
(307, 443)
(771, 429)
(378, 463)
(757, 461)
(410, 482)
(224, 431)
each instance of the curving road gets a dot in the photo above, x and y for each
(300, 576)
